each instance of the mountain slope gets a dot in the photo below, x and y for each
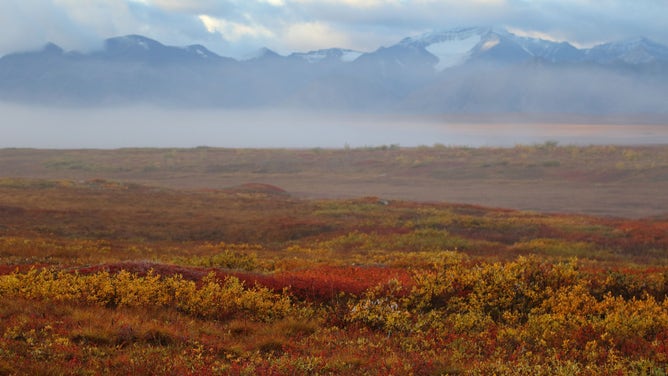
(540, 88)
(471, 69)
(633, 51)
(331, 55)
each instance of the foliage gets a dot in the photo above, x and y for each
(212, 298)
(477, 316)
(111, 278)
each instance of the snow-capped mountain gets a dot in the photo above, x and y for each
(263, 53)
(554, 52)
(137, 47)
(330, 55)
(452, 47)
(459, 46)
(471, 69)
(633, 51)
(201, 51)
(327, 55)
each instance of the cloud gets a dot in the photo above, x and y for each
(234, 31)
(29, 24)
(351, 3)
(232, 27)
(276, 3)
(185, 6)
(588, 22)
(73, 24)
(314, 35)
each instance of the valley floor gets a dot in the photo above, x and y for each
(600, 180)
(214, 262)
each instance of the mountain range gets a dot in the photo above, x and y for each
(462, 70)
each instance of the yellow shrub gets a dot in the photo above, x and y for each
(213, 299)
(381, 309)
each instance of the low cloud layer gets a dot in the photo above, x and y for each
(58, 128)
(236, 27)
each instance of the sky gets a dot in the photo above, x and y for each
(237, 28)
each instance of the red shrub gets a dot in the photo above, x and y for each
(325, 283)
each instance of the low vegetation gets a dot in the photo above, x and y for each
(626, 181)
(105, 277)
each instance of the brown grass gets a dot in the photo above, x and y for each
(599, 180)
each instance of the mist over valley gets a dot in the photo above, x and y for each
(25, 126)
(465, 86)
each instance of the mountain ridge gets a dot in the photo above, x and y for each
(613, 50)
(466, 69)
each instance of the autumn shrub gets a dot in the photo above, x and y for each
(446, 287)
(227, 259)
(455, 314)
(632, 326)
(354, 240)
(509, 291)
(630, 284)
(416, 240)
(421, 260)
(328, 284)
(557, 248)
(383, 308)
(212, 297)
(563, 322)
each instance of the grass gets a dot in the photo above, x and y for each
(612, 180)
(105, 275)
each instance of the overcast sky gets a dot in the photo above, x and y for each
(239, 27)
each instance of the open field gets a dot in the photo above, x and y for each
(281, 262)
(600, 180)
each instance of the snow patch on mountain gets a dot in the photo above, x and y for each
(262, 53)
(135, 40)
(200, 51)
(350, 56)
(452, 52)
(341, 55)
(632, 51)
(315, 56)
(451, 47)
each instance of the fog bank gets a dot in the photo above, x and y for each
(119, 127)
